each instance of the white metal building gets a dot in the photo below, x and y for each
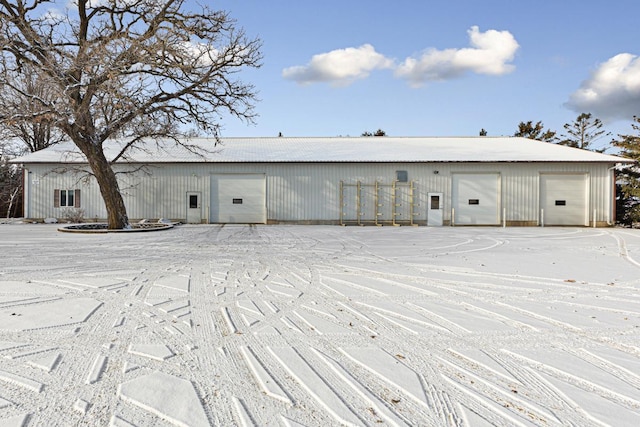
(361, 180)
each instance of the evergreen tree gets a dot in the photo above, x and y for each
(531, 131)
(379, 132)
(583, 132)
(629, 175)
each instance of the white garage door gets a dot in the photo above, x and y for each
(564, 199)
(239, 199)
(475, 198)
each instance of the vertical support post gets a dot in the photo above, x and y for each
(594, 218)
(394, 203)
(358, 201)
(342, 203)
(411, 203)
(541, 217)
(504, 217)
(377, 202)
(453, 217)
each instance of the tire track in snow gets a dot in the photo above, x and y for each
(622, 248)
(269, 274)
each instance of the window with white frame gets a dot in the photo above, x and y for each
(66, 198)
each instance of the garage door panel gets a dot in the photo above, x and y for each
(476, 198)
(564, 199)
(238, 199)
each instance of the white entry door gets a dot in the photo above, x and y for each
(435, 209)
(194, 208)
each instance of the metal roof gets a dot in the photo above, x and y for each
(335, 150)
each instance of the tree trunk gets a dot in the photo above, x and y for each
(106, 178)
(12, 198)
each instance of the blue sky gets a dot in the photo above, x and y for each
(439, 68)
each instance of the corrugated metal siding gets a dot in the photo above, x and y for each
(311, 192)
(164, 193)
(601, 183)
(42, 183)
(302, 192)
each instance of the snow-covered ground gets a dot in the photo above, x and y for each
(320, 326)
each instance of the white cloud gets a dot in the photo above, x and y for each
(202, 53)
(612, 91)
(339, 67)
(490, 53)
(52, 16)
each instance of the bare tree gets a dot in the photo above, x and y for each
(127, 69)
(10, 183)
(24, 112)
